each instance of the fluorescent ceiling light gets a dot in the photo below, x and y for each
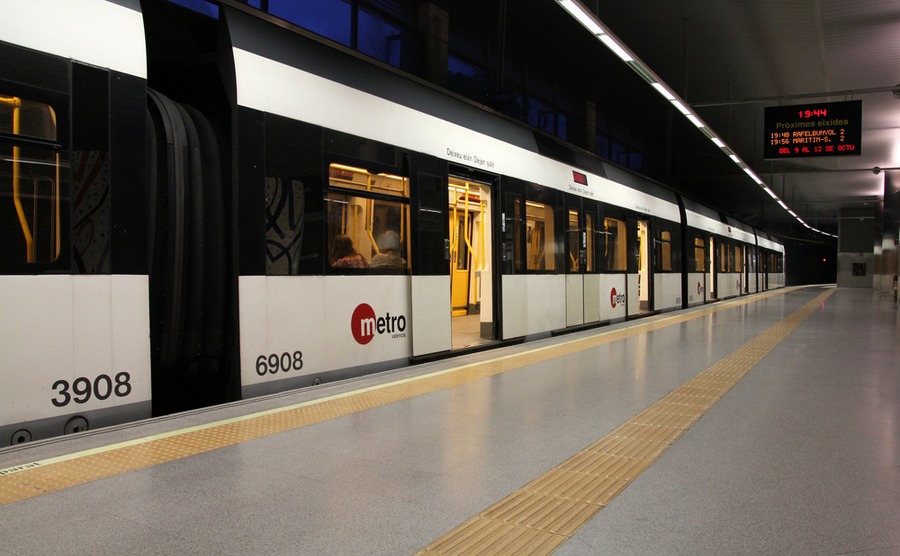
(735, 158)
(663, 91)
(681, 108)
(718, 142)
(617, 48)
(695, 120)
(578, 13)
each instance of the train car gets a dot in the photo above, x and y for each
(771, 262)
(222, 206)
(73, 260)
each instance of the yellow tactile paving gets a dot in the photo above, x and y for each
(46, 476)
(555, 505)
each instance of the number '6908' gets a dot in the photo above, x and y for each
(82, 389)
(274, 362)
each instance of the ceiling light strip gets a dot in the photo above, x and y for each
(590, 22)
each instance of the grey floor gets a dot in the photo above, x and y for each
(800, 457)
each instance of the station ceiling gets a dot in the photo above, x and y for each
(729, 60)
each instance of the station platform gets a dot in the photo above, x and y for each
(767, 424)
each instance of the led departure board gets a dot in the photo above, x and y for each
(821, 129)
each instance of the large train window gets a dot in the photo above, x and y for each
(573, 241)
(664, 251)
(699, 260)
(540, 231)
(30, 229)
(614, 245)
(589, 231)
(512, 233)
(726, 257)
(368, 227)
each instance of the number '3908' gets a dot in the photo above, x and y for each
(82, 389)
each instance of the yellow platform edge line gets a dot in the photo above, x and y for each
(552, 492)
(568, 346)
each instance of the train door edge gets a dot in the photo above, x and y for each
(645, 265)
(430, 279)
(712, 287)
(575, 253)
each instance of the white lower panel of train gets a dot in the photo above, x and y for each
(729, 284)
(666, 291)
(696, 288)
(533, 304)
(296, 326)
(73, 346)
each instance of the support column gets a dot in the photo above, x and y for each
(435, 25)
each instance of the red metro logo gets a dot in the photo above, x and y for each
(364, 324)
(615, 298)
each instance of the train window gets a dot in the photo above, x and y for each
(589, 229)
(329, 19)
(367, 231)
(512, 233)
(285, 215)
(699, 263)
(614, 244)
(30, 230)
(664, 251)
(573, 239)
(540, 243)
(726, 262)
(378, 38)
(350, 177)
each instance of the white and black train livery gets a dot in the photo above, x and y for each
(195, 210)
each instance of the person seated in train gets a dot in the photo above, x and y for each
(389, 251)
(345, 255)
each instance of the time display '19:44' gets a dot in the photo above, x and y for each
(814, 113)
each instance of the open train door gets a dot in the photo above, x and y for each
(469, 239)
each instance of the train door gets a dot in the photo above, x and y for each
(645, 295)
(582, 302)
(713, 290)
(592, 287)
(429, 283)
(469, 239)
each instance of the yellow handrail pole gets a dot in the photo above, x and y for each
(481, 252)
(16, 103)
(472, 253)
(370, 213)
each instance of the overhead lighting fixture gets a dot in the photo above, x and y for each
(590, 22)
(663, 91)
(616, 47)
(681, 107)
(578, 13)
(695, 120)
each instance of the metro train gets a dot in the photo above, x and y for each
(196, 210)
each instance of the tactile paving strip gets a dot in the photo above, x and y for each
(38, 478)
(554, 506)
